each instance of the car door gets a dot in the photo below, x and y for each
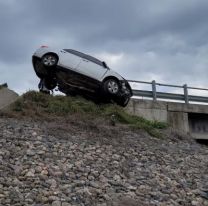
(91, 69)
(68, 60)
(67, 73)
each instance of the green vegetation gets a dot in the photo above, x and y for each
(36, 104)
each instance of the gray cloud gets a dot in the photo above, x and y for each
(165, 39)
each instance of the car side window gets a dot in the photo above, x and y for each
(74, 52)
(93, 59)
(85, 56)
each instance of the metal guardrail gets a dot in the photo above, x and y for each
(169, 96)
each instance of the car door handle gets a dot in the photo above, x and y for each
(85, 60)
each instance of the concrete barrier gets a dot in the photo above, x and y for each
(188, 118)
(7, 97)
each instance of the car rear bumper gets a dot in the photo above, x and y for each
(39, 69)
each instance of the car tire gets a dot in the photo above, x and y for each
(111, 86)
(49, 60)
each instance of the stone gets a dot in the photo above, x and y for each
(34, 134)
(39, 138)
(56, 203)
(30, 152)
(66, 204)
(117, 178)
(54, 199)
(115, 166)
(30, 173)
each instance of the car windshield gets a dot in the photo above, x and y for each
(85, 56)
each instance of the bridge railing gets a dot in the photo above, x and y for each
(155, 95)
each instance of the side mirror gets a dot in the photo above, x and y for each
(105, 65)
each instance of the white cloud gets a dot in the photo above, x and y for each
(111, 59)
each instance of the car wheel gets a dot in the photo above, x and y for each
(111, 86)
(49, 60)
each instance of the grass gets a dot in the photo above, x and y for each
(36, 104)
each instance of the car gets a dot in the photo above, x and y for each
(74, 72)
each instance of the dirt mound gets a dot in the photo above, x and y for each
(37, 105)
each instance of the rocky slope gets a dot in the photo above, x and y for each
(69, 162)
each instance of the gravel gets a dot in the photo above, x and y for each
(65, 164)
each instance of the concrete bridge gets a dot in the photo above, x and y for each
(188, 118)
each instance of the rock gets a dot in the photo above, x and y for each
(34, 134)
(203, 194)
(40, 152)
(132, 188)
(110, 167)
(103, 179)
(54, 199)
(90, 177)
(117, 178)
(17, 169)
(52, 183)
(94, 184)
(44, 172)
(56, 203)
(66, 204)
(38, 169)
(29, 201)
(30, 152)
(102, 204)
(39, 138)
(30, 173)
(124, 201)
(195, 203)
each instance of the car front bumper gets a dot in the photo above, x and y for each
(125, 89)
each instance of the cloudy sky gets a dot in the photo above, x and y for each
(162, 40)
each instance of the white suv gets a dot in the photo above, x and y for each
(74, 72)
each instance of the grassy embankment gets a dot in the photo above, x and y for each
(38, 105)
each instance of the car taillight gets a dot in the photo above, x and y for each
(44, 46)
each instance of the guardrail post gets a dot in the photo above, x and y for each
(185, 88)
(154, 91)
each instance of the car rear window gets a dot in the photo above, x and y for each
(85, 56)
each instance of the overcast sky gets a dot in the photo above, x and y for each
(162, 40)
